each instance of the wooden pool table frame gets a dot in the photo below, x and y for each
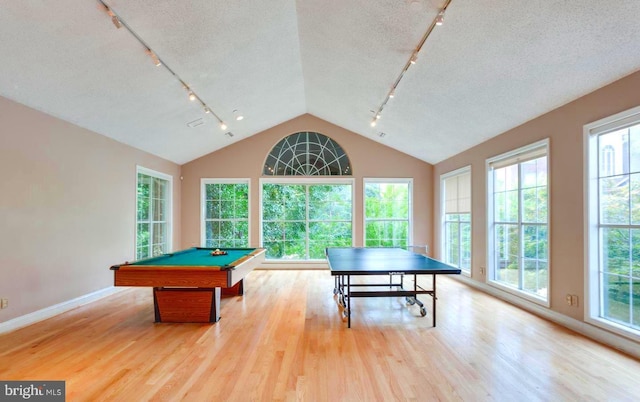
(189, 293)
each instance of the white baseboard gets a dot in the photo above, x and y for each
(615, 341)
(54, 310)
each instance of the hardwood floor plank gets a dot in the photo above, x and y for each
(285, 340)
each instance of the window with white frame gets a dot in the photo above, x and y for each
(225, 213)
(387, 212)
(613, 222)
(518, 202)
(456, 218)
(301, 217)
(153, 213)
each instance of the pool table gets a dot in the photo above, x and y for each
(187, 284)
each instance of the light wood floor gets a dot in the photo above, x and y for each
(284, 340)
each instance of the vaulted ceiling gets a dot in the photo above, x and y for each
(491, 66)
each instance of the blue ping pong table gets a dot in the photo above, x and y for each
(345, 262)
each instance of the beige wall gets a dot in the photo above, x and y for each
(67, 208)
(564, 128)
(245, 159)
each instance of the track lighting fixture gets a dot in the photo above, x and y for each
(116, 20)
(438, 20)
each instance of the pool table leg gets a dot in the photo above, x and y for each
(215, 305)
(156, 309)
(235, 290)
(187, 304)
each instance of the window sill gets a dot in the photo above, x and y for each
(520, 294)
(611, 326)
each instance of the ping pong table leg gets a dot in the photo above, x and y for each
(414, 299)
(434, 300)
(348, 301)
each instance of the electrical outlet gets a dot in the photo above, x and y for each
(4, 303)
(574, 300)
(569, 299)
(481, 270)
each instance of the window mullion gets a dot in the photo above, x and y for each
(520, 231)
(151, 226)
(306, 208)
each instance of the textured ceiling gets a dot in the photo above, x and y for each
(490, 67)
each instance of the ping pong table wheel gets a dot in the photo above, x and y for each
(410, 300)
(423, 311)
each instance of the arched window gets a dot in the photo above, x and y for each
(307, 154)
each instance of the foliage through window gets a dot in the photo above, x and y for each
(153, 217)
(300, 219)
(456, 239)
(614, 215)
(387, 204)
(519, 221)
(307, 154)
(225, 206)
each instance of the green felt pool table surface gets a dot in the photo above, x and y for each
(196, 257)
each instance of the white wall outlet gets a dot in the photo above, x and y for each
(4, 303)
(569, 300)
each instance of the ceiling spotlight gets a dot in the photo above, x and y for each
(378, 116)
(223, 126)
(192, 96)
(154, 57)
(414, 58)
(237, 115)
(116, 22)
(440, 18)
(392, 94)
(114, 17)
(207, 110)
(374, 122)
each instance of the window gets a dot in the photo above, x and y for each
(456, 220)
(613, 222)
(519, 222)
(301, 217)
(307, 154)
(387, 215)
(225, 213)
(153, 217)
